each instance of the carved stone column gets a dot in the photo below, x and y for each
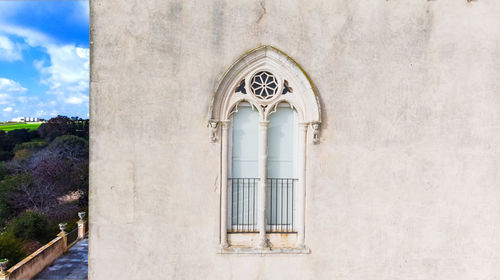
(301, 188)
(263, 128)
(223, 197)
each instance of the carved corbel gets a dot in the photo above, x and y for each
(315, 127)
(212, 126)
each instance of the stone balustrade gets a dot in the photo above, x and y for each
(33, 264)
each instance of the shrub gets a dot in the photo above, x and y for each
(31, 146)
(13, 196)
(70, 146)
(20, 135)
(11, 248)
(8, 188)
(31, 225)
(21, 154)
(65, 213)
(57, 126)
(62, 125)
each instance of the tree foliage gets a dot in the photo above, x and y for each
(38, 182)
(11, 248)
(31, 146)
(14, 195)
(8, 140)
(62, 125)
(45, 183)
(32, 225)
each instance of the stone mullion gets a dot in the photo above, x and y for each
(263, 129)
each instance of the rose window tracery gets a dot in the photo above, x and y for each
(264, 85)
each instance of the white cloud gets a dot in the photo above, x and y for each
(8, 109)
(75, 99)
(7, 89)
(43, 113)
(69, 65)
(67, 76)
(66, 73)
(24, 99)
(7, 85)
(5, 99)
(31, 37)
(10, 51)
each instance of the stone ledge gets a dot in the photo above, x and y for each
(266, 251)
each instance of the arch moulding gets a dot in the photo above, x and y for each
(302, 95)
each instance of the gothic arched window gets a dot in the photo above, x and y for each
(264, 105)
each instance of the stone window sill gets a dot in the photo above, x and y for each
(265, 251)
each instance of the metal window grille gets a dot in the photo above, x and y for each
(280, 205)
(244, 204)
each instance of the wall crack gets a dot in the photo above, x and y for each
(262, 4)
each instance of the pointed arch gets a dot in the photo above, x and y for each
(294, 87)
(264, 78)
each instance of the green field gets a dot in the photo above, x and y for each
(12, 126)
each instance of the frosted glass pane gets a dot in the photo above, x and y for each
(245, 143)
(281, 144)
(242, 189)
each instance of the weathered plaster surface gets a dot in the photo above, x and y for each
(404, 185)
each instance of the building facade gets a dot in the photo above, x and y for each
(295, 139)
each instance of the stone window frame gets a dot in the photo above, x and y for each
(294, 88)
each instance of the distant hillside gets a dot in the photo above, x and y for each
(12, 126)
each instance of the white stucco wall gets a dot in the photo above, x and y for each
(404, 185)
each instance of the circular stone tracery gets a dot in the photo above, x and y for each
(264, 85)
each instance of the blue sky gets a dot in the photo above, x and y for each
(44, 58)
